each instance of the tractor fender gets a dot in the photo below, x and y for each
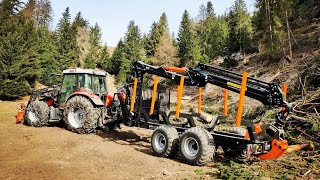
(92, 97)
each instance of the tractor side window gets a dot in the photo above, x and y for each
(99, 84)
(82, 81)
(89, 81)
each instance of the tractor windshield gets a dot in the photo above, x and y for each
(68, 86)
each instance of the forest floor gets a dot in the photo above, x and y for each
(55, 153)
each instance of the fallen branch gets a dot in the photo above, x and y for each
(308, 135)
(298, 118)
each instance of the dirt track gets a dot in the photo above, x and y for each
(55, 153)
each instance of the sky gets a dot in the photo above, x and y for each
(113, 16)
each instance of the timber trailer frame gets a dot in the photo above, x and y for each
(197, 145)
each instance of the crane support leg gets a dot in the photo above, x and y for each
(154, 94)
(134, 94)
(180, 89)
(199, 100)
(225, 104)
(241, 101)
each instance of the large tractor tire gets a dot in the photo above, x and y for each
(197, 146)
(37, 114)
(80, 115)
(165, 141)
(239, 154)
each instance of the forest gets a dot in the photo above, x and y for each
(29, 49)
(278, 42)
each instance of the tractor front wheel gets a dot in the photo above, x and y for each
(80, 115)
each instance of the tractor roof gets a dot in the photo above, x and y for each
(84, 71)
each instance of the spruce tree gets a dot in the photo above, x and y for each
(210, 10)
(270, 24)
(18, 62)
(152, 39)
(166, 52)
(163, 24)
(189, 49)
(240, 37)
(212, 32)
(66, 42)
(95, 40)
(116, 58)
(29, 11)
(47, 54)
(103, 60)
(79, 21)
(44, 13)
(132, 51)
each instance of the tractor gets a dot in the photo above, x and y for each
(81, 102)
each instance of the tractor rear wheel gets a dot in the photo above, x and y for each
(165, 141)
(80, 115)
(37, 114)
(197, 146)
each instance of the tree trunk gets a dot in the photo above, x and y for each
(289, 37)
(268, 15)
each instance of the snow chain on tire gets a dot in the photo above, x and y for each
(80, 115)
(197, 146)
(37, 114)
(165, 141)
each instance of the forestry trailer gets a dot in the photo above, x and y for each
(83, 104)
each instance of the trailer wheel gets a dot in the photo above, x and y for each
(80, 116)
(197, 146)
(37, 114)
(237, 153)
(165, 141)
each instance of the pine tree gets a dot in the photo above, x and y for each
(18, 61)
(9, 8)
(90, 62)
(189, 49)
(270, 24)
(95, 40)
(79, 21)
(212, 32)
(104, 61)
(202, 16)
(66, 42)
(210, 10)
(95, 35)
(152, 40)
(29, 11)
(132, 51)
(44, 13)
(166, 52)
(239, 20)
(116, 58)
(163, 24)
(47, 54)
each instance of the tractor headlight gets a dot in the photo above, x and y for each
(267, 146)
